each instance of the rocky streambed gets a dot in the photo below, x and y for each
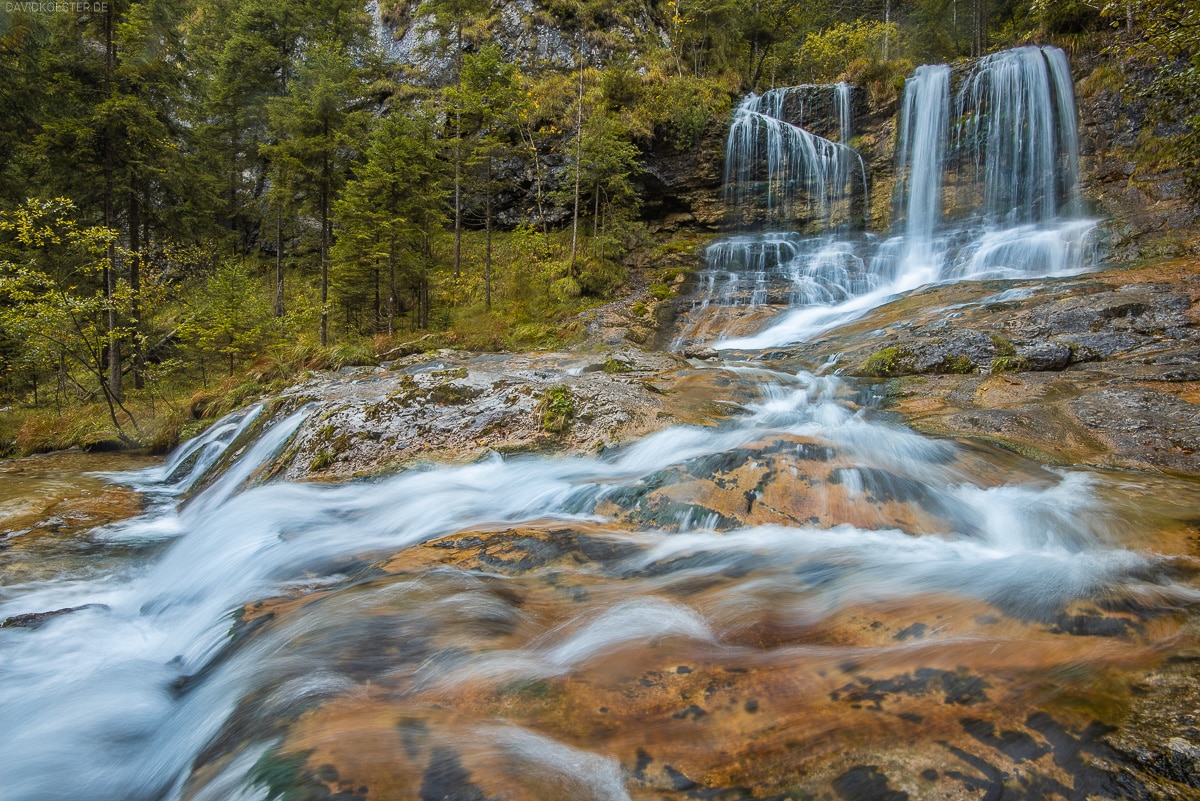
(619, 573)
(1101, 369)
(690, 579)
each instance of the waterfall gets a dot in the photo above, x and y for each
(779, 173)
(1018, 134)
(842, 93)
(987, 186)
(920, 158)
(778, 170)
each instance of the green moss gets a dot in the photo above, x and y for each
(1008, 364)
(638, 309)
(661, 291)
(556, 409)
(453, 394)
(958, 364)
(883, 363)
(616, 366)
(1105, 78)
(280, 774)
(1002, 346)
(323, 459)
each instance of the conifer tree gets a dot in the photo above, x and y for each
(389, 212)
(317, 129)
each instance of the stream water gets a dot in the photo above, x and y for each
(798, 600)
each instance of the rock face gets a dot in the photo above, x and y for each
(528, 31)
(682, 190)
(451, 406)
(1139, 195)
(1100, 369)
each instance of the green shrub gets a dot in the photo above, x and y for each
(352, 353)
(882, 363)
(601, 279)
(566, 288)
(556, 409)
(1008, 364)
(616, 366)
(1002, 346)
(958, 364)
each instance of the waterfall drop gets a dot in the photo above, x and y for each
(778, 172)
(987, 186)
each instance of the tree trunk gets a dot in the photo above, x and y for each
(457, 193)
(458, 216)
(279, 262)
(325, 243)
(578, 170)
(487, 224)
(110, 269)
(537, 177)
(391, 304)
(979, 37)
(135, 285)
(887, 19)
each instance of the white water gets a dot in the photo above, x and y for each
(88, 701)
(117, 701)
(786, 171)
(987, 187)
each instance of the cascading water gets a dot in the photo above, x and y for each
(920, 162)
(604, 627)
(782, 175)
(987, 187)
(1017, 134)
(163, 683)
(779, 170)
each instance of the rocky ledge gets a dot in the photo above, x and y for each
(450, 406)
(1101, 369)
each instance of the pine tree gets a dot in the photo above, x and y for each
(389, 213)
(457, 25)
(317, 129)
(492, 101)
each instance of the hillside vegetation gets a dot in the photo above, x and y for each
(201, 200)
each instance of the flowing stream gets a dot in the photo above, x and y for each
(757, 607)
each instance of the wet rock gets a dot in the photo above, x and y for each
(34, 620)
(700, 352)
(447, 780)
(1099, 369)
(1161, 428)
(788, 480)
(450, 406)
(956, 688)
(1160, 738)
(1041, 356)
(866, 783)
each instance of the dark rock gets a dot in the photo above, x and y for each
(34, 620)
(914, 632)
(1044, 356)
(866, 783)
(447, 780)
(1016, 745)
